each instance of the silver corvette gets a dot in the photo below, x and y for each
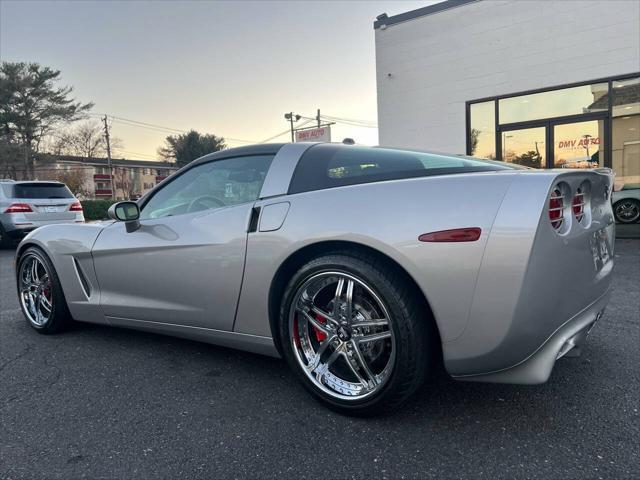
(363, 268)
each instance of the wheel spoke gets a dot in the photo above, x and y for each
(349, 301)
(318, 355)
(381, 322)
(363, 364)
(374, 337)
(34, 271)
(45, 303)
(320, 326)
(336, 298)
(324, 315)
(322, 368)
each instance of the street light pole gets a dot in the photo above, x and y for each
(292, 118)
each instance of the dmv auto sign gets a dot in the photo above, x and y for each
(317, 134)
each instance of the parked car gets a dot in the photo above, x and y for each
(626, 204)
(25, 206)
(359, 266)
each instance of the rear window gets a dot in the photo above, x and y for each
(37, 190)
(327, 166)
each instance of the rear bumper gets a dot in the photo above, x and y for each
(20, 230)
(566, 340)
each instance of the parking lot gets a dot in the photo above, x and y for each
(100, 402)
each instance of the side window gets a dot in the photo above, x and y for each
(215, 184)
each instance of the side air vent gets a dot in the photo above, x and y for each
(86, 286)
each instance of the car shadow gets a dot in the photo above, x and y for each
(441, 400)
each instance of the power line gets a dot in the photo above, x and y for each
(153, 126)
(352, 120)
(288, 130)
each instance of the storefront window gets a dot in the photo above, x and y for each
(524, 147)
(626, 165)
(578, 145)
(555, 103)
(482, 136)
(626, 97)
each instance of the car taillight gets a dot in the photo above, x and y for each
(556, 208)
(577, 205)
(75, 207)
(18, 208)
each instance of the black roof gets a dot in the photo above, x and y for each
(420, 12)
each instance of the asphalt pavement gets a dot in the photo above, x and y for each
(99, 402)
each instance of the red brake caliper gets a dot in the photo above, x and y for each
(320, 335)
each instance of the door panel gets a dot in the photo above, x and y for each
(184, 269)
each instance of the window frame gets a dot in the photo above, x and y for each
(143, 201)
(606, 115)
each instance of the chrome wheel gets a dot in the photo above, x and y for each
(627, 211)
(341, 335)
(36, 293)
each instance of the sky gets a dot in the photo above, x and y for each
(228, 68)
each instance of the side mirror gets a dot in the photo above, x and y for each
(127, 212)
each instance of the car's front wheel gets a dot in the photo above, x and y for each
(627, 210)
(40, 293)
(356, 333)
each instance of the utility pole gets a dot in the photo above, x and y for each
(292, 118)
(318, 118)
(106, 136)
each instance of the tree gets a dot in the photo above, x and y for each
(528, 159)
(31, 106)
(74, 178)
(473, 139)
(85, 140)
(125, 181)
(9, 153)
(186, 147)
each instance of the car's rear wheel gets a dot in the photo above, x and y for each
(627, 210)
(40, 293)
(356, 333)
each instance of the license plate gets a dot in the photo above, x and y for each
(51, 209)
(600, 249)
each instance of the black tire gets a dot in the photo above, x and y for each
(630, 205)
(413, 328)
(60, 317)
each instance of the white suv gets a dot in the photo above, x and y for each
(25, 206)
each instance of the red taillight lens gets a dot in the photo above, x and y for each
(75, 207)
(556, 208)
(577, 205)
(18, 208)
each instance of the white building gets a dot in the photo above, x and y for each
(546, 83)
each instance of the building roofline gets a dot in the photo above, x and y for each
(116, 161)
(420, 12)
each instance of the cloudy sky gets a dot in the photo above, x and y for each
(229, 68)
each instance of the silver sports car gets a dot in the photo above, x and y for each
(363, 267)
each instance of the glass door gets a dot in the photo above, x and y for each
(578, 144)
